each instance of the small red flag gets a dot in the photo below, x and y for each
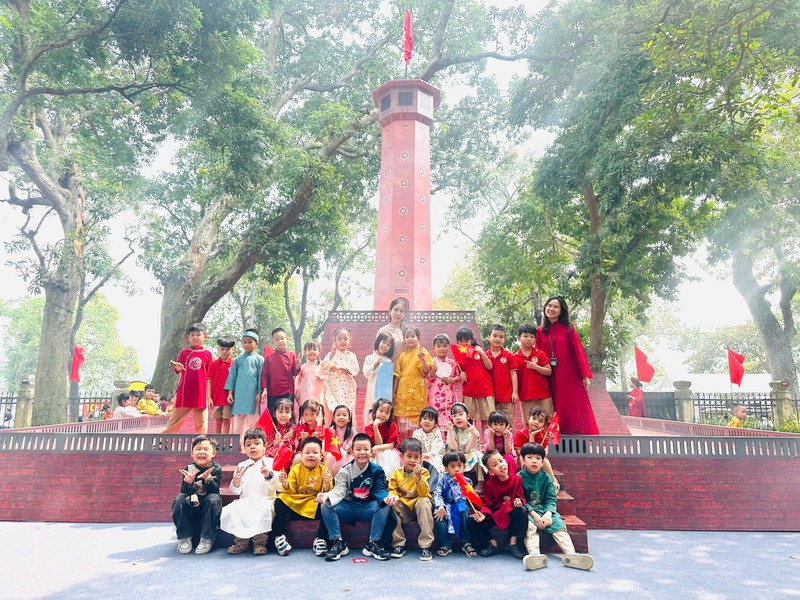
(554, 430)
(268, 350)
(736, 366)
(265, 422)
(408, 38)
(644, 370)
(283, 458)
(77, 360)
(468, 491)
(332, 444)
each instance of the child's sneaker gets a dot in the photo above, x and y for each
(204, 547)
(578, 561)
(184, 545)
(535, 561)
(375, 549)
(282, 546)
(398, 552)
(337, 550)
(426, 554)
(515, 551)
(319, 546)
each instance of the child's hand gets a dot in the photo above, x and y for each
(421, 353)
(207, 475)
(282, 478)
(296, 362)
(537, 520)
(533, 434)
(556, 485)
(547, 519)
(518, 502)
(376, 423)
(326, 477)
(265, 470)
(391, 500)
(322, 497)
(237, 476)
(418, 472)
(177, 366)
(478, 516)
(288, 435)
(303, 435)
(463, 377)
(440, 513)
(187, 477)
(372, 452)
(230, 397)
(514, 397)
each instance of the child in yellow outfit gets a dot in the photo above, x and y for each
(410, 391)
(410, 498)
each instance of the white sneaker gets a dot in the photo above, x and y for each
(184, 545)
(204, 547)
(319, 546)
(578, 561)
(534, 561)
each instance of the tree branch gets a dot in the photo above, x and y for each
(434, 66)
(85, 300)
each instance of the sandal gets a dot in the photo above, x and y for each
(469, 550)
(444, 551)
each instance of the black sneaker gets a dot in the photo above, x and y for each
(515, 551)
(426, 554)
(398, 552)
(376, 550)
(337, 550)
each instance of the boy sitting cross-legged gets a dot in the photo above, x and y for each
(359, 493)
(410, 498)
(542, 515)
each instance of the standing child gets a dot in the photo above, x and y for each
(279, 370)
(382, 431)
(536, 432)
(199, 502)
(250, 517)
(344, 432)
(379, 371)
(430, 437)
(309, 384)
(298, 500)
(443, 378)
(338, 370)
(243, 384)
(499, 436)
(503, 506)
(358, 494)
(475, 367)
(463, 437)
(285, 432)
(504, 374)
(410, 394)
(451, 512)
(533, 369)
(410, 498)
(218, 374)
(192, 394)
(542, 515)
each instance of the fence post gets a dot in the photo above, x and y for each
(683, 401)
(782, 401)
(23, 416)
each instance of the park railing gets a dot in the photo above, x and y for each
(87, 406)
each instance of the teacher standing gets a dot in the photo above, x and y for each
(570, 379)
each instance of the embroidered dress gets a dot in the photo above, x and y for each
(432, 446)
(340, 385)
(441, 395)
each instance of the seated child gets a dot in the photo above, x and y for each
(285, 432)
(463, 436)
(384, 435)
(499, 436)
(343, 430)
(250, 517)
(410, 498)
(503, 506)
(306, 480)
(542, 515)
(451, 513)
(739, 415)
(430, 437)
(199, 501)
(310, 425)
(536, 433)
(359, 493)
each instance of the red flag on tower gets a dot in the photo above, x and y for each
(644, 370)
(408, 38)
(77, 361)
(736, 366)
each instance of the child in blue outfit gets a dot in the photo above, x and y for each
(358, 494)
(451, 512)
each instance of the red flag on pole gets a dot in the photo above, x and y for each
(265, 422)
(77, 360)
(468, 491)
(644, 370)
(332, 444)
(408, 38)
(283, 458)
(736, 366)
(554, 430)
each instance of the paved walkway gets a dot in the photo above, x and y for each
(60, 560)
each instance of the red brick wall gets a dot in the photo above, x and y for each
(685, 494)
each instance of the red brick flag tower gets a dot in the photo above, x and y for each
(403, 263)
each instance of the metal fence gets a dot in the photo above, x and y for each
(85, 407)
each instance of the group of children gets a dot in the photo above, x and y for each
(415, 456)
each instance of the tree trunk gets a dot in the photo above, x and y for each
(776, 344)
(598, 294)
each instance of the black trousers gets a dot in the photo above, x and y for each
(481, 533)
(205, 516)
(283, 514)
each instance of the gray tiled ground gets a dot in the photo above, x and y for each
(59, 560)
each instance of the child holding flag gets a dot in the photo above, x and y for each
(451, 512)
(540, 430)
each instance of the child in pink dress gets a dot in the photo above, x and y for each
(338, 371)
(309, 385)
(442, 380)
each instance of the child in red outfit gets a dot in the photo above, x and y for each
(192, 395)
(533, 369)
(475, 366)
(218, 374)
(536, 433)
